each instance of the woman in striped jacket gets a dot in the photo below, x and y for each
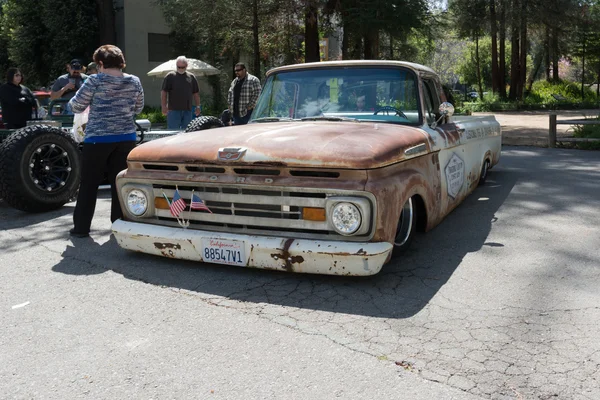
(114, 98)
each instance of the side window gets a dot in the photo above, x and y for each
(431, 101)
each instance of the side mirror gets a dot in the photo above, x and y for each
(446, 109)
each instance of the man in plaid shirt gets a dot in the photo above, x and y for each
(242, 95)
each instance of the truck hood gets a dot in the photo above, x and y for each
(350, 145)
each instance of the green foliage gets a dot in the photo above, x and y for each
(469, 17)
(542, 91)
(220, 31)
(4, 60)
(153, 114)
(446, 57)
(586, 131)
(540, 98)
(467, 66)
(44, 35)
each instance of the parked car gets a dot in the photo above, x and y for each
(315, 182)
(475, 95)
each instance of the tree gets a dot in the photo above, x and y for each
(44, 35)
(365, 21)
(4, 60)
(445, 58)
(469, 24)
(586, 44)
(105, 12)
(311, 32)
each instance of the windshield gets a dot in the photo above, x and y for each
(340, 93)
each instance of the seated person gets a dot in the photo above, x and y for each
(360, 103)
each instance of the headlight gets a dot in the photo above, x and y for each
(137, 202)
(346, 218)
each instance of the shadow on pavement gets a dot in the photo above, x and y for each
(14, 219)
(400, 290)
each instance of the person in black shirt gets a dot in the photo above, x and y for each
(17, 100)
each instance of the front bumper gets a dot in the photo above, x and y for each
(284, 254)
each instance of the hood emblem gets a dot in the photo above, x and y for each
(231, 153)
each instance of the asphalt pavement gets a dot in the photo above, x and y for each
(500, 301)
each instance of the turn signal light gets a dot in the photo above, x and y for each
(161, 203)
(313, 214)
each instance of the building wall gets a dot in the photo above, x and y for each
(136, 19)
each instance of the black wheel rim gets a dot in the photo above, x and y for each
(405, 223)
(49, 167)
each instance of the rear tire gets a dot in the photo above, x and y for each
(204, 122)
(40, 168)
(484, 172)
(406, 228)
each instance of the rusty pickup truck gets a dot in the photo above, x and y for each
(341, 163)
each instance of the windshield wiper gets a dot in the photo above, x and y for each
(272, 119)
(324, 118)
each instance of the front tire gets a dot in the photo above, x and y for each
(406, 228)
(40, 168)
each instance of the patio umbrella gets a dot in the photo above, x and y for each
(196, 67)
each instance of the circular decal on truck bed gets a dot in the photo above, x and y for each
(455, 175)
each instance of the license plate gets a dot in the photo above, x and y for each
(222, 251)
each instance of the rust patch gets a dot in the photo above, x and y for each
(166, 249)
(286, 257)
(165, 246)
(393, 185)
(317, 145)
(450, 133)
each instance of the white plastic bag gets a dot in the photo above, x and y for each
(79, 122)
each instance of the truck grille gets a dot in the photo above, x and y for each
(252, 210)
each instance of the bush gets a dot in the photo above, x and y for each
(542, 91)
(153, 114)
(540, 98)
(586, 131)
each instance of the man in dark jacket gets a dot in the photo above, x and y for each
(243, 94)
